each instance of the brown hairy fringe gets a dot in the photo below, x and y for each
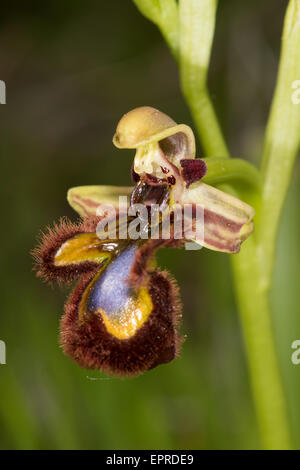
(50, 242)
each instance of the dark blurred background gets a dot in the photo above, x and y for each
(72, 69)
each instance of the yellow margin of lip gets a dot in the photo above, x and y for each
(125, 324)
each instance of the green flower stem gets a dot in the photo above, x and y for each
(282, 139)
(196, 16)
(230, 170)
(163, 13)
(265, 377)
(196, 26)
(252, 299)
(251, 267)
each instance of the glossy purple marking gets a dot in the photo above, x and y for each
(171, 180)
(153, 180)
(164, 170)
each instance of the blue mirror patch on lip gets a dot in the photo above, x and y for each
(111, 291)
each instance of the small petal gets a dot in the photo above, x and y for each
(86, 199)
(227, 220)
(193, 170)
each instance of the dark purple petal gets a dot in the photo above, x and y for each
(193, 170)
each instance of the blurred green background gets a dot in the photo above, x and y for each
(72, 69)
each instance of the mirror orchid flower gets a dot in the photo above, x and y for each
(124, 314)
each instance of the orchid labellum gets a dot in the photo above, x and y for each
(124, 313)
